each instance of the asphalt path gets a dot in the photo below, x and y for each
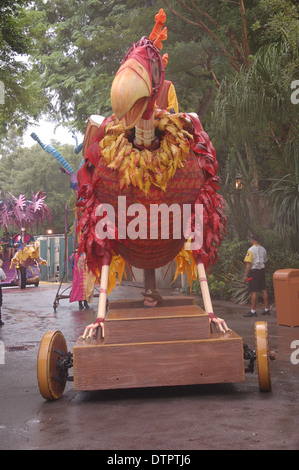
(180, 419)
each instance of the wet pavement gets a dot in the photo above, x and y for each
(215, 417)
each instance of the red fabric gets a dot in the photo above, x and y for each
(194, 183)
(203, 147)
(92, 156)
(141, 253)
(146, 53)
(214, 222)
(162, 101)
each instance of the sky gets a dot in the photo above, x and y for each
(46, 131)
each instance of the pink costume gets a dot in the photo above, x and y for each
(83, 281)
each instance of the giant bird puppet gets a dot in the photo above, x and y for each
(150, 156)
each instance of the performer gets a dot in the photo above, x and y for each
(22, 239)
(83, 281)
(167, 98)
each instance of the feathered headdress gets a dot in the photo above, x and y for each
(159, 33)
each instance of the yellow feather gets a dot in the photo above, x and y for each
(172, 130)
(139, 179)
(141, 161)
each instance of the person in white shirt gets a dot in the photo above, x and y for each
(255, 260)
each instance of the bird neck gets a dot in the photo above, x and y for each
(145, 134)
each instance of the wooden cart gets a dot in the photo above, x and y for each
(151, 347)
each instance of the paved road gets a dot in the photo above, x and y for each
(180, 418)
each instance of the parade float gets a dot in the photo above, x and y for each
(137, 159)
(20, 253)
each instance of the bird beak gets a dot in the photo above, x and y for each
(130, 92)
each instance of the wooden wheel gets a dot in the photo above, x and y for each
(21, 277)
(262, 356)
(51, 378)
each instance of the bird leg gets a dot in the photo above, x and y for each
(91, 329)
(219, 322)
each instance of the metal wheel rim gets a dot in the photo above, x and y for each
(262, 356)
(50, 388)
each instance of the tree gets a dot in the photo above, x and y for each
(260, 98)
(223, 34)
(78, 49)
(24, 170)
(22, 212)
(22, 95)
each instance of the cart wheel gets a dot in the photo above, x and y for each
(262, 355)
(51, 379)
(21, 277)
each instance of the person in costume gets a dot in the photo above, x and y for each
(167, 98)
(21, 239)
(83, 281)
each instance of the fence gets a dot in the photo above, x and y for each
(52, 249)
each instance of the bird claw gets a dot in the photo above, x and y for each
(220, 324)
(91, 330)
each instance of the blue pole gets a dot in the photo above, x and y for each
(54, 152)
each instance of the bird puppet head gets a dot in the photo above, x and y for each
(138, 82)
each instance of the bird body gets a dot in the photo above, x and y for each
(146, 178)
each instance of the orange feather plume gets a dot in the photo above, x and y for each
(160, 19)
(162, 37)
(165, 59)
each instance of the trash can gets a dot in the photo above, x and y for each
(286, 291)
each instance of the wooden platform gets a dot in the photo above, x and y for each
(168, 301)
(161, 346)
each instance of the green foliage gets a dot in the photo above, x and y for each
(225, 279)
(12, 35)
(23, 97)
(81, 49)
(284, 199)
(280, 24)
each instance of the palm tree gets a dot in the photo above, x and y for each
(22, 212)
(255, 111)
